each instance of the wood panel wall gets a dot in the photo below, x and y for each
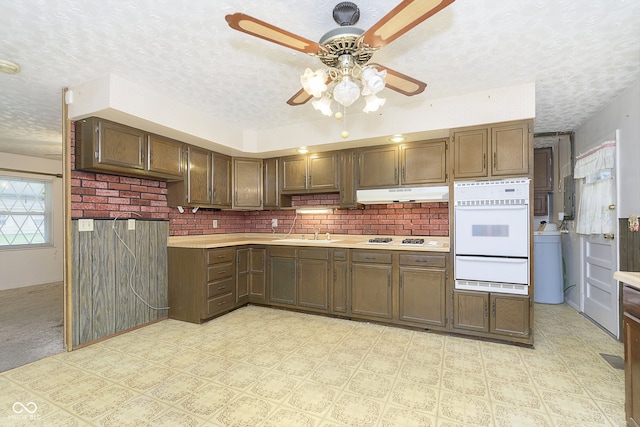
(103, 302)
(629, 247)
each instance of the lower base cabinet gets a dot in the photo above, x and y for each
(250, 275)
(340, 289)
(201, 283)
(282, 276)
(631, 322)
(498, 314)
(422, 290)
(371, 285)
(314, 268)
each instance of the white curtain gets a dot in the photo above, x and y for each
(595, 169)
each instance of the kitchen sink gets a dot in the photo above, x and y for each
(304, 241)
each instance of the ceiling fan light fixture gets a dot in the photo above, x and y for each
(346, 92)
(323, 105)
(373, 103)
(313, 82)
(373, 81)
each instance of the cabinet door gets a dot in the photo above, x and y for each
(543, 170)
(221, 185)
(257, 288)
(424, 162)
(540, 203)
(378, 167)
(120, 145)
(371, 290)
(339, 294)
(348, 175)
(198, 176)
(294, 173)
(470, 149)
(632, 368)
(282, 280)
(422, 296)
(313, 283)
(323, 171)
(471, 310)
(510, 315)
(247, 183)
(242, 275)
(270, 192)
(164, 156)
(510, 149)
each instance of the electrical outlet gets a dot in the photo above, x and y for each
(131, 224)
(85, 225)
(274, 222)
(215, 223)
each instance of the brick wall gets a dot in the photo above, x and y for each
(98, 195)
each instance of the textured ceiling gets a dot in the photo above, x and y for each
(580, 53)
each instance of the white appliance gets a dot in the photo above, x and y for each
(491, 228)
(403, 194)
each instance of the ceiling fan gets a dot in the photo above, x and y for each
(346, 51)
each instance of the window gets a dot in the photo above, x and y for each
(25, 212)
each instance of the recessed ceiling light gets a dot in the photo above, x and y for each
(9, 67)
(303, 150)
(397, 138)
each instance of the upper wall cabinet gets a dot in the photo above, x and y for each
(207, 182)
(416, 163)
(104, 146)
(313, 173)
(543, 170)
(498, 150)
(247, 183)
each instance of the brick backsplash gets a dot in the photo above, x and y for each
(99, 195)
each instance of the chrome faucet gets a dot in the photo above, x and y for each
(315, 234)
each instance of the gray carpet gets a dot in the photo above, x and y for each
(30, 324)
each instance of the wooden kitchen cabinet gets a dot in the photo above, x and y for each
(510, 315)
(631, 333)
(348, 174)
(494, 151)
(497, 314)
(271, 198)
(422, 289)
(540, 203)
(471, 311)
(201, 283)
(247, 183)
(378, 167)
(250, 275)
(340, 290)
(282, 276)
(371, 285)
(423, 162)
(105, 146)
(221, 185)
(314, 268)
(543, 170)
(315, 173)
(207, 181)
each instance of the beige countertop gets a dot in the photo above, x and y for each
(207, 241)
(628, 277)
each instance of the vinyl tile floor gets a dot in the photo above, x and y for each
(265, 367)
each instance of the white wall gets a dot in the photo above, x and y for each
(623, 114)
(35, 266)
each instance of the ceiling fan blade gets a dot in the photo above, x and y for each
(301, 97)
(401, 19)
(257, 28)
(401, 82)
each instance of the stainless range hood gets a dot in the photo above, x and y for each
(403, 195)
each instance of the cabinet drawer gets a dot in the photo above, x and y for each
(340, 255)
(423, 260)
(313, 253)
(282, 251)
(631, 300)
(219, 271)
(375, 257)
(217, 256)
(220, 287)
(224, 302)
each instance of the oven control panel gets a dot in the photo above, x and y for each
(506, 191)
